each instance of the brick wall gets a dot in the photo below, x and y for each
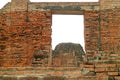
(110, 33)
(28, 32)
(24, 34)
(39, 26)
(92, 38)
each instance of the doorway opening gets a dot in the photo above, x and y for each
(67, 31)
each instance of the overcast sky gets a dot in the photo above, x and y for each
(65, 28)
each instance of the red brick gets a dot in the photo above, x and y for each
(113, 73)
(105, 65)
(100, 69)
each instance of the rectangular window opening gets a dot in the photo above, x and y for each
(67, 34)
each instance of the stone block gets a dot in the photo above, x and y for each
(28, 78)
(113, 73)
(117, 77)
(105, 65)
(9, 78)
(100, 69)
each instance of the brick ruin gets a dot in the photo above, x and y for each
(25, 30)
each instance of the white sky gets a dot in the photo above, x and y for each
(66, 28)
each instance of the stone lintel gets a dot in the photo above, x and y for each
(74, 8)
(64, 7)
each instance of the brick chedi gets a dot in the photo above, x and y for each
(25, 39)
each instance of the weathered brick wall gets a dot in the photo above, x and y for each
(4, 37)
(62, 61)
(29, 32)
(1, 53)
(25, 35)
(22, 35)
(110, 32)
(40, 26)
(92, 38)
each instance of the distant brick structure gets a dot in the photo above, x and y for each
(25, 32)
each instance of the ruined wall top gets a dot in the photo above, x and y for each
(26, 5)
(109, 4)
(19, 5)
(55, 7)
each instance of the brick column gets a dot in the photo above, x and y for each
(92, 42)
